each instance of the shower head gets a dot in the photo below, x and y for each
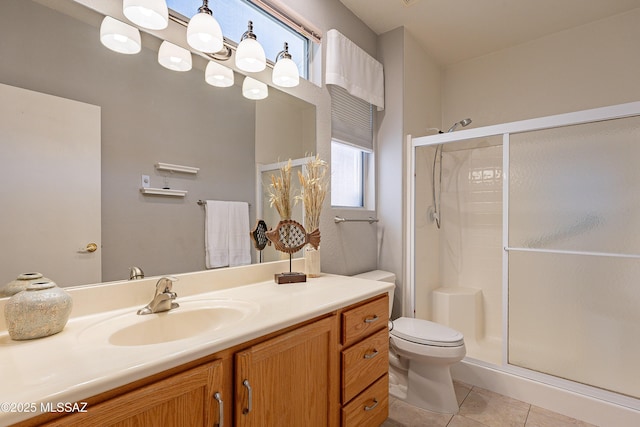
(463, 123)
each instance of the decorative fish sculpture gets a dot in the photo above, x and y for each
(259, 236)
(290, 236)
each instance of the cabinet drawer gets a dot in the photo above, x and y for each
(363, 363)
(370, 408)
(363, 320)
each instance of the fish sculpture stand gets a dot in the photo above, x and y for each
(259, 237)
(289, 237)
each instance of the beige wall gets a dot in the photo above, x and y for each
(412, 105)
(149, 114)
(586, 67)
(348, 248)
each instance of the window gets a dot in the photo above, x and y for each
(347, 176)
(351, 150)
(233, 16)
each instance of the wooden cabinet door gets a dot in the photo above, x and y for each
(183, 400)
(290, 380)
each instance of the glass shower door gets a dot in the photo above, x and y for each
(574, 253)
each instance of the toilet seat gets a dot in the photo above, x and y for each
(424, 332)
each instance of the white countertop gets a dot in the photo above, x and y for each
(79, 362)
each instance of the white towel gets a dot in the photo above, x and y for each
(239, 237)
(227, 241)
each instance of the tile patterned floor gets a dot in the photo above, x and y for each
(478, 408)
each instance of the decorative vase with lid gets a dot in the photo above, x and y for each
(41, 310)
(20, 284)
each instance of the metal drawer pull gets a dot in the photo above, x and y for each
(245, 411)
(371, 319)
(220, 409)
(371, 355)
(369, 408)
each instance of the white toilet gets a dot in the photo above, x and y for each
(420, 354)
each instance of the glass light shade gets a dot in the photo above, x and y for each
(119, 37)
(285, 73)
(204, 33)
(174, 57)
(253, 89)
(218, 75)
(250, 56)
(152, 14)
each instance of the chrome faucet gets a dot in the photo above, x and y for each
(163, 299)
(135, 273)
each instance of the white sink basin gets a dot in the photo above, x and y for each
(192, 318)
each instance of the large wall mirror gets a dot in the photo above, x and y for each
(146, 114)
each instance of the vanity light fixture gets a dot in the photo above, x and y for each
(203, 31)
(218, 75)
(151, 14)
(285, 72)
(254, 89)
(174, 57)
(119, 37)
(250, 55)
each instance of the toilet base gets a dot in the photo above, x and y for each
(425, 386)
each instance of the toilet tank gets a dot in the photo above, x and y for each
(380, 276)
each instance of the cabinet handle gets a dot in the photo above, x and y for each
(371, 355)
(220, 409)
(369, 408)
(371, 319)
(245, 383)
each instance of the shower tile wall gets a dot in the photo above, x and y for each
(471, 227)
(467, 250)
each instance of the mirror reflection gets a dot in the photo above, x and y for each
(135, 113)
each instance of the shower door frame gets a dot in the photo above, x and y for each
(619, 111)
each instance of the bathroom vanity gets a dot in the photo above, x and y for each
(301, 354)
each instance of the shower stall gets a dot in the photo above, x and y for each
(525, 236)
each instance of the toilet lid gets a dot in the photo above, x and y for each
(426, 332)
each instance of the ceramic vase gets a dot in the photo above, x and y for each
(21, 283)
(312, 261)
(39, 311)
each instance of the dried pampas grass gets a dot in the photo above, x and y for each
(280, 192)
(314, 185)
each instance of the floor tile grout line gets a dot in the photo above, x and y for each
(527, 417)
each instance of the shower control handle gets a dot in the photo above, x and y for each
(371, 319)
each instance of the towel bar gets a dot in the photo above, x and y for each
(202, 203)
(339, 219)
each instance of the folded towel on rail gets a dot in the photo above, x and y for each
(227, 241)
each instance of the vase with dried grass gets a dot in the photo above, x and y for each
(314, 185)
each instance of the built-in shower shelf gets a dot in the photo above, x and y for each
(163, 192)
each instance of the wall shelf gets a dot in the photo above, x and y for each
(176, 168)
(163, 192)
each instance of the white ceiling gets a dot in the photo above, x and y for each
(456, 30)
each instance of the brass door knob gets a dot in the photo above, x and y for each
(91, 247)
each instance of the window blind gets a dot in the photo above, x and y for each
(351, 119)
